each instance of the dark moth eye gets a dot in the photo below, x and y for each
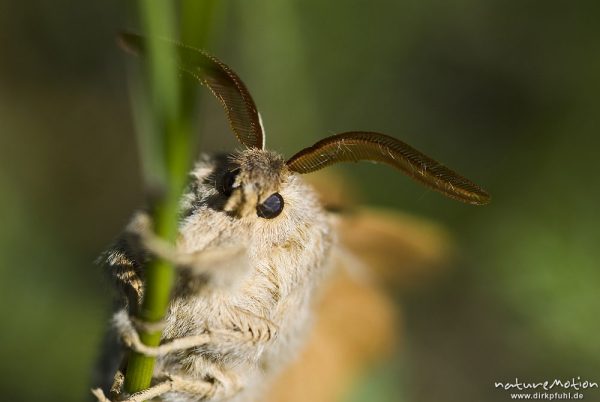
(271, 207)
(227, 182)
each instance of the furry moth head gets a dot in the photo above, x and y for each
(252, 181)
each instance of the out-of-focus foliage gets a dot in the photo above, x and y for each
(504, 92)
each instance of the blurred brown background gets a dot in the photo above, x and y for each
(505, 92)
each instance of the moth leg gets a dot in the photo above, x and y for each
(222, 384)
(147, 394)
(250, 332)
(99, 394)
(247, 328)
(199, 388)
(131, 338)
(117, 385)
(196, 263)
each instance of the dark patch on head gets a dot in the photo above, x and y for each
(223, 163)
(242, 181)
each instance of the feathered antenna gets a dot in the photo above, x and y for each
(357, 146)
(352, 146)
(225, 85)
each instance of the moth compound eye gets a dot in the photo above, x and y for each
(227, 182)
(271, 208)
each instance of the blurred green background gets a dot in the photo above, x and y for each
(505, 92)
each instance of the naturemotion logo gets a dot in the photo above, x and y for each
(562, 389)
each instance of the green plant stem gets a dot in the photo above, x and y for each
(159, 279)
(167, 143)
(174, 137)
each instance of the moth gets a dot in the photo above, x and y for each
(253, 250)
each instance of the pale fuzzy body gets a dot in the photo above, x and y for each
(265, 290)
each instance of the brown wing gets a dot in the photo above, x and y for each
(225, 85)
(376, 247)
(400, 249)
(355, 328)
(375, 147)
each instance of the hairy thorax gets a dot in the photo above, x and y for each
(262, 287)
